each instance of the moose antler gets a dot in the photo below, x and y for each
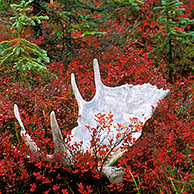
(28, 140)
(56, 132)
(124, 102)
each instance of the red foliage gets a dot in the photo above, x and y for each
(160, 161)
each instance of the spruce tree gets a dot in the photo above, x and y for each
(19, 53)
(172, 42)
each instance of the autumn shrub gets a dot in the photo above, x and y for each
(160, 161)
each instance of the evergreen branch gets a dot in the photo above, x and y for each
(6, 57)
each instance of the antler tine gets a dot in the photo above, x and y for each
(28, 140)
(17, 115)
(97, 78)
(57, 136)
(77, 94)
(60, 146)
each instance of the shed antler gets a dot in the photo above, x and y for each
(124, 102)
(28, 140)
(56, 132)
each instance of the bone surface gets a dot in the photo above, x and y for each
(26, 137)
(124, 102)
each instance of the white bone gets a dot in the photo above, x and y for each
(60, 146)
(114, 174)
(17, 115)
(57, 135)
(97, 78)
(124, 102)
(77, 94)
(27, 139)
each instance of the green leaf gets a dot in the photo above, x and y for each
(93, 33)
(28, 2)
